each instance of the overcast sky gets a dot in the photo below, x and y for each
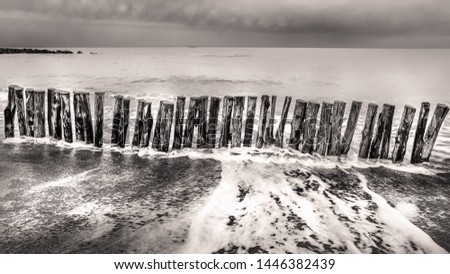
(281, 23)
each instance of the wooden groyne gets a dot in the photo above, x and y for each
(315, 128)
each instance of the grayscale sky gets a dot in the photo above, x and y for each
(257, 23)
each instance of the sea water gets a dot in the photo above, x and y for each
(57, 197)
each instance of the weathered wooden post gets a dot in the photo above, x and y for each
(324, 131)
(166, 125)
(79, 126)
(403, 134)
(161, 137)
(156, 144)
(251, 109)
(269, 137)
(376, 143)
(351, 126)
(50, 110)
(66, 117)
(56, 115)
(10, 113)
(39, 114)
(139, 124)
(298, 119)
(190, 123)
(148, 125)
(367, 132)
(99, 110)
(309, 127)
(237, 121)
(29, 106)
(202, 122)
(126, 121)
(433, 130)
(263, 120)
(117, 126)
(20, 108)
(87, 118)
(416, 155)
(389, 117)
(213, 121)
(179, 121)
(225, 133)
(279, 139)
(337, 118)
(382, 138)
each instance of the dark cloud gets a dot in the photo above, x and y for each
(337, 18)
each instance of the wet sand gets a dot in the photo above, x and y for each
(62, 200)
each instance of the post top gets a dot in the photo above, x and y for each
(18, 88)
(440, 105)
(80, 92)
(29, 89)
(63, 92)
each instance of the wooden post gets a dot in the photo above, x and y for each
(213, 121)
(403, 134)
(20, 108)
(50, 111)
(367, 132)
(79, 126)
(148, 125)
(166, 125)
(179, 121)
(117, 126)
(263, 120)
(382, 138)
(433, 130)
(309, 127)
(225, 133)
(416, 155)
(10, 113)
(279, 140)
(351, 126)
(298, 119)
(56, 115)
(39, 114)
(376, 143)
(139, 124)
(337, 118)
(87, 118)
(202, 122)
(126, 121)
(99, 110)
(157, 133)
(237, 121)
(269, 137)
(66, 117)
(29, 106)
(389, 117)
(251, 108)
(190, 123)
(324, 131)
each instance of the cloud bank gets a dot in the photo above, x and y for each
(294, 17)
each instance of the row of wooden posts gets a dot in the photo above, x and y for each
(306, 135)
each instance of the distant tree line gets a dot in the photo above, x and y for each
(33, 51)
